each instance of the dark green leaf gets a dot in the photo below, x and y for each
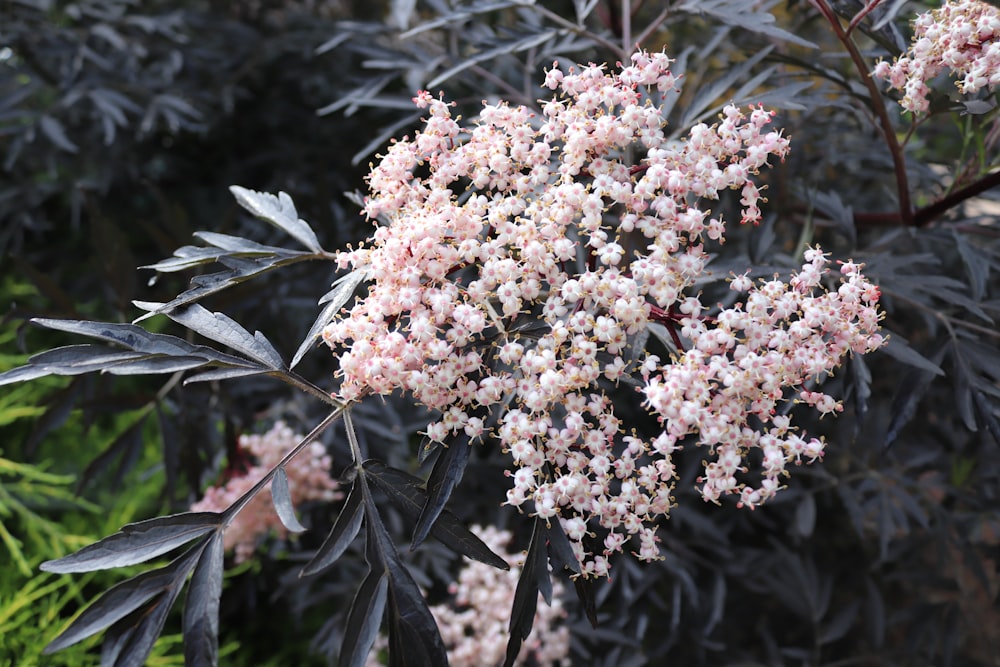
(404, 491)
(282, 499)
(280, 212)
(344, 531)
(124, 598)
(447, 473)
(137, 543)
(201, 608)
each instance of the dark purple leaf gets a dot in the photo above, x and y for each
(405, 492)
(344, 531)
(364, 619)
(222, 329)
(280, 212)
(522, 613)
(121, 600)
(282, 498)
(445, 476)
(137, 543)
(201, 608)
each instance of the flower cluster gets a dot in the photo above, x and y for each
(521, 259)
(308, 479)
(960, 37)
(474, 623)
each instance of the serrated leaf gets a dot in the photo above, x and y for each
(710, 92)
(755, 20)
(238, 270)
(515, 46)
(343, 289)
(124, 598)
(522, 613)
(446, 474)
(137, 543)
(414, 637)
(223, 374)
(155, 365)
(977, 266)
(201, 608)
(343, 533)
(405, 492)
(911, 389)
(282, 498)
(222, 329)
(461, 16)
(138, 339)
(280, 212)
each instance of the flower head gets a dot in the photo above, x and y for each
(523, 257)
(960, 37)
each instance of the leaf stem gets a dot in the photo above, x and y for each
(244, 500)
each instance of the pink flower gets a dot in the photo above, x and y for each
(308, 479)
(516, 271)
(960, 37)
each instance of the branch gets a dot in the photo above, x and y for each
(928, 214)
(878, 106)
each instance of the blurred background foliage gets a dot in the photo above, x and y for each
(122, 124)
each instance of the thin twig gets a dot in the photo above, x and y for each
(878, 106)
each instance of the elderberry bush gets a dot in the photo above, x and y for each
(691, 305)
